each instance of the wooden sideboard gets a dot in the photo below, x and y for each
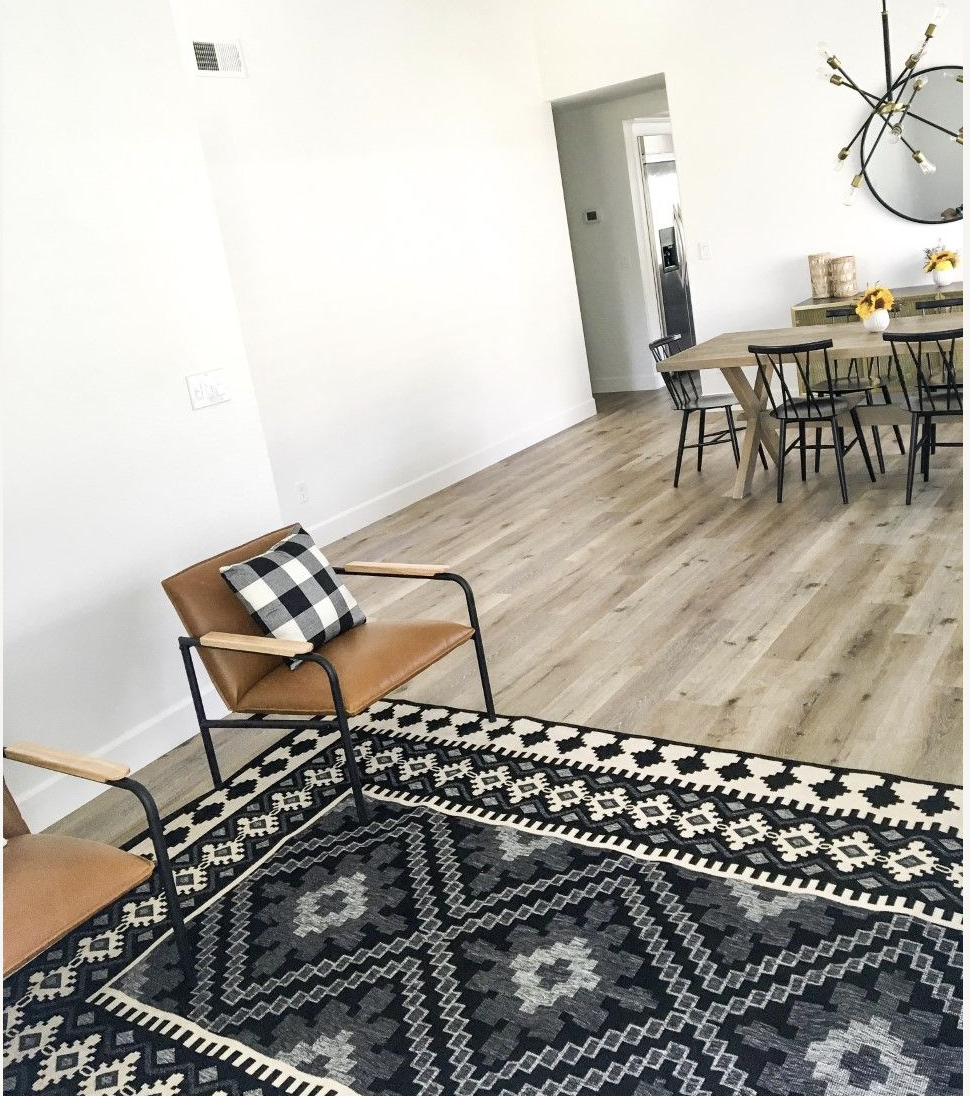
(813, 310)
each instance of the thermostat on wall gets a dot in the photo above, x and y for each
(591, 217)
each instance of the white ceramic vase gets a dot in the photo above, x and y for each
(878, 321)
(943, 277)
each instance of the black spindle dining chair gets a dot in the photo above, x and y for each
(933, 391)
(862, 376)
(947, 304)
(801, 404)
(684, 389)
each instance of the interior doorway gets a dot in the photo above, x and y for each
(622, 281)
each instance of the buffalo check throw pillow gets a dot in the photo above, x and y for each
(292, 592)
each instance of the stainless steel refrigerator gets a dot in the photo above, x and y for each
(667, 245)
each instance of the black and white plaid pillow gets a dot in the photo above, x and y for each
(292, 592)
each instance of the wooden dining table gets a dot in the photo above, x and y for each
(729, 353)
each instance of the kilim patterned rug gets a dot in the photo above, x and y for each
(533, 909)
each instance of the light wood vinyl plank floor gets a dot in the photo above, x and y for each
(810, 630)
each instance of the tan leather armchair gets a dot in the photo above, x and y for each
(52, 884)
(341, 678)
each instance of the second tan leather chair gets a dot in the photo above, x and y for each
(52, 884)
(340, 678)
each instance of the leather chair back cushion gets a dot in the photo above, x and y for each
(205, 603)
(13, 821)
(52, 884)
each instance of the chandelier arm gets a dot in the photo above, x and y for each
(859, 133)
(885, 50)
(927, 122)
(870, 97)
(875, 143)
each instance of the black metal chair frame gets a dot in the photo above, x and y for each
(339, 717)
(944, 304)
(686, 395)
(930, 399)
(852, 381)
(807, 407)
(163, 864)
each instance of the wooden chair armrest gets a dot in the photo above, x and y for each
(263, 645)
(405, 570)
(63, 761)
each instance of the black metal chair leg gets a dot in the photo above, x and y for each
(701, 425)
(838, 444)
(483, 674)
(210, 750)
(210, 755)
(346, 738)
(929, 446)
(782, 430)
(164, 866)
(862, 444)
(761, 454)
(818, 450)
(876, 440)
(801, 450)
(479, 646)
(911, 462)
(732, 431)
(680, 446)
(353, 772)
(899, 434)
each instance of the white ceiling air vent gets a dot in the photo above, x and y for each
(218, 59)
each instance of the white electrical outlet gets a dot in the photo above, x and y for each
(205, 389)
(705, 251)
(303, 491)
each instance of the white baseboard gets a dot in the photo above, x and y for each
(357, 517)
(56, 795)
(625, 383)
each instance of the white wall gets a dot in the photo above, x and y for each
(756, 133)
(388, 190)
(115, 287)
(381, 197)
(619, 318)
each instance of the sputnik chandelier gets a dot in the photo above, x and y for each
(889, 112)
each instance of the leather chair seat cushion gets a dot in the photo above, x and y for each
(52, 884)
(370, 661)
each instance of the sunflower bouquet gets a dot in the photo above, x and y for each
(940, 258)
(872, 300)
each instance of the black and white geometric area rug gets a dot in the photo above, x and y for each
(533, 910)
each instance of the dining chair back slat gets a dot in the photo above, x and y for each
(934, 386)
(683, 388)
(775, 364)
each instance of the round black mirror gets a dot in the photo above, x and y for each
(914, 164)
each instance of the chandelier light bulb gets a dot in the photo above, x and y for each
(921, 83)
(852, 191)
(841, 158)
(823, 72)
(940, 12)
(925, 165)
(895, 134)
(824, 50)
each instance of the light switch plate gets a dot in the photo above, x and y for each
(205, 389)
(705, 251)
